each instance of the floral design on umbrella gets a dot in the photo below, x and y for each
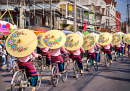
(91, 40)
(68, 42)
(101, 39)
(49, 43)
(12, 42)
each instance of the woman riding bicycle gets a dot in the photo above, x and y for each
(77, 54)
(105, 40)
(21, 44)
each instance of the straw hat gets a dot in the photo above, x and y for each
(105, 38)
(21, 43)
(116, 38)
(53, 39)
(127, 38)
(73, 42)
(37, 32)
(40, 45)
(96, 36)
(89, 41)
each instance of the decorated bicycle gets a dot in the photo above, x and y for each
(21, 44)
(74, 43)
(127, 41)
(117, 41)
(89, 45)
(54, 40)
(105, 40)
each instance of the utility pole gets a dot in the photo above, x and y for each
(74, 29)
(21, 14)
(51, 15)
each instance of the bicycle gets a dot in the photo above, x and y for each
(90, 63)
(107, 61)
(20, 80)
(76, 70)
(56, 75)
(117, 55)
(122, 52)
(41, 64)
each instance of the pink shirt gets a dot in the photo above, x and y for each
(119, 45)
(97, 45)
(108, 46)
(78, 52)
(25, 59)
(92, 50)
(57, 52)
(45, 49)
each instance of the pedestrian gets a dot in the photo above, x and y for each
(3, 55)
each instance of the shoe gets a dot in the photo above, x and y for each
(74, 76)
(82, 72)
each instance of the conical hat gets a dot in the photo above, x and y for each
(116, 38)
(21, 43)
(53, 39)
(127, 39)
(105, 38)
(39, 36)
(73, 42)
(89, 41)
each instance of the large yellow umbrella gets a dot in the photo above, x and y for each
(116, 38)
(39, 36)
(21, 43)
(105, 38)
(89, 41)
(53, 39)
(127, 39)
(74, 41)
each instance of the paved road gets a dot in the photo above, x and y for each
(114, 78)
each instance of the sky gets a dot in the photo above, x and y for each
(122, 7)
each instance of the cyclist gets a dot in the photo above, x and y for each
(97, 54)
(92, 52)
(77, 54)
(31, 72)
(118, 47)
(56, 56)
(48, 59)
(107, 49)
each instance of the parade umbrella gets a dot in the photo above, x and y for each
(65, 29)
(96, 36)
(41, 29)
(67, 32)
(85, 33)
(73, 42)
(21, 43)
(3, 31)
(6, 24)
(121, 33)
(37, 32)
(89, 41)
(105, 38)
(127, 38)
(53, 39)
(80, 33)
(39, 36)
(116, 38)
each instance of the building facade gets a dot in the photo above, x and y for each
(118, 21)
(111, 15)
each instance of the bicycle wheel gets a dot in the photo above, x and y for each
(55, 77)
(96, 65)
(17, 81)
(89, 64)
(75, 70)
(43, 64)
(39, 79)
(64, 75)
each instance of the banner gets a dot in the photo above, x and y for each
(70, 7)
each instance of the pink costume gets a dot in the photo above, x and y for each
(56, 54)
(91, 52)
(118, 47)
(25, 59)
(76, 54)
